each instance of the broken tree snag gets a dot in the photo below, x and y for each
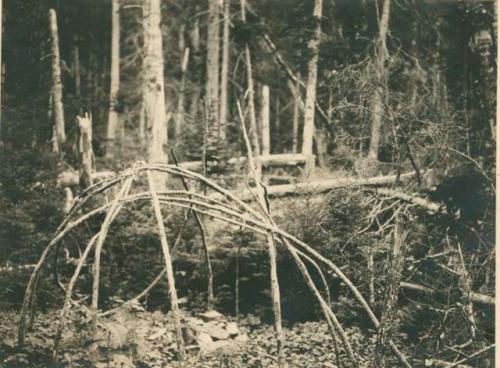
(388, 328)
(85, 150)
(312, 76)
(264, 122)
(57, 91)
(172, 292)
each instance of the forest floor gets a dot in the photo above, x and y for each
(146, 340)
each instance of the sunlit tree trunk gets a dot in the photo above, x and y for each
(224, 71)
(154, 91)
(184, 58)
(57, 103)
(85, 150)
(194, 37)
(295, 89)
(115, 79)
(254, 134)
(75, 68)
(212, 85)
(264, 121)
(312, 75)
(377, 103)
(1, 63)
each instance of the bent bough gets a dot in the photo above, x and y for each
(223, 206)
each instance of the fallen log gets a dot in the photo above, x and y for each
(71, 177)
(431, 206)
(321, 186)
(476, 298)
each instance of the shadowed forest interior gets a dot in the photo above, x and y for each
(247, 183)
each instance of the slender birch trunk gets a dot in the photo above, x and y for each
(224, 71)
(179, 116)
(264, 121)
(57, 90)
(194, 37)
(154, 90)
(295, 89)
(312, 70)
(115, 79)
(75, 68)
(212, 85)
(1, 65)
(377, 104)
(254, 135)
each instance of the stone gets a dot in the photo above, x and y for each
(218, 346)
(211, 315)
(243, 338)
(204, 341)
(232, 328)
(217, 332)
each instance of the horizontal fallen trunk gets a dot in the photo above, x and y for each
(71, 177)
(321, 186)
(476, 298)
(431, 206)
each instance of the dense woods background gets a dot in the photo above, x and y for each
(370, 88)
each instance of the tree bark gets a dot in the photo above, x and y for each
(179, 116)
(154, 91)
(212, 85)
(57, 92)
(194, 37)
(85, 150)
(377, 103)
(224, 71)
(312, 70)
(295, 88)
(75, 66)
(115, 79)
(254, 135)
(264, 122)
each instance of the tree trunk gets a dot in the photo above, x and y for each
(295, 88)
(75, 69)
(212, 86)
(254, 135)
(85, 150)
(312, 70)
(388, 322)
(115, 79)
(264, 122)
(57, 104)
(377, 104)
(179, 116)
(194, 36)
(154, 91)
(1, 64)
(224, 71)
